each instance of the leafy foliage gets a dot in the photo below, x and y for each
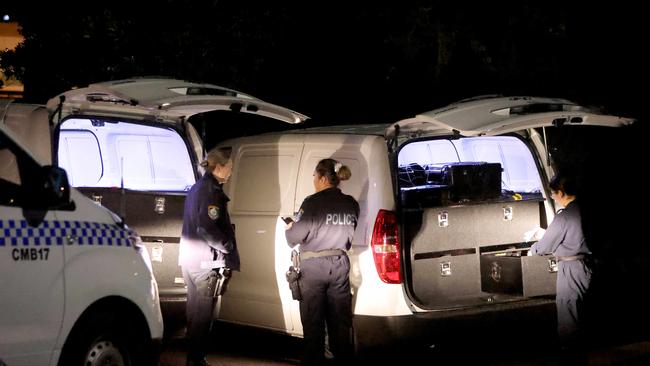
(337, 61)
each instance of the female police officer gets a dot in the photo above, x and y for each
(207, 243)
(324, 229)
(566, 241)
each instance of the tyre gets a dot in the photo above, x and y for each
(104, 338)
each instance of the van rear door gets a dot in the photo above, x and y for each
(463, 233)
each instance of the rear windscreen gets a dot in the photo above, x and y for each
(444, 172)
(519, 171)
(98, 153)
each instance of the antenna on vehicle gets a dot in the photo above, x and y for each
(392, 142)
(548, 154)
(122, 191)
(59, 109)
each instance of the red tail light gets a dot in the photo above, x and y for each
(385, 247)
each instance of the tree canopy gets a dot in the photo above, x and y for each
(344, 62)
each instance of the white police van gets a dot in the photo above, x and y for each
(76, 286)
(445, 198)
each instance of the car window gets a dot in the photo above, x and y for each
(519, 169)
(9, 177)
(109, 153)
(16, 167)
(79, 152)
(8, 163)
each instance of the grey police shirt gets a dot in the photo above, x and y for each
(564, 236)
(326, 220)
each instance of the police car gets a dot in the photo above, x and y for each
(75, 285)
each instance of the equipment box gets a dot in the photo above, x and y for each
(450, 183)
(473, 181)
(429, 195)
(509, 273)
(501, 274)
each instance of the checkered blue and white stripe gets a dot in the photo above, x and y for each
(19, 233)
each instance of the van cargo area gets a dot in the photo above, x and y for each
(465, 205)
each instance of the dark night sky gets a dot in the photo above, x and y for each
(345, 62)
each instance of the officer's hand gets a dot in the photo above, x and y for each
(539, 233)
(534, 234)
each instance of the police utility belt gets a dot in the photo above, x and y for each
(569, 258)
(293, 274)
(323, 253)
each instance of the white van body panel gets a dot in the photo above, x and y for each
(261, 190)
(272, 176)
(115, 271)
(29, 330)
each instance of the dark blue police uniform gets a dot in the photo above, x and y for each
(324, 229)
(565, 239)
(207, 242)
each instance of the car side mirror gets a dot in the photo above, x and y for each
(56, 187)
(49, 189)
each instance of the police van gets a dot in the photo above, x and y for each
(445, 197)
(446, 200)
(76, 285)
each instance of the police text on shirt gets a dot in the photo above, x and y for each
(340, 219)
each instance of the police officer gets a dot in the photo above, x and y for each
(207, 243)
(565, 239)
(324, 228)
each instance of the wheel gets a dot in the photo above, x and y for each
(104, 352)
(105, 339)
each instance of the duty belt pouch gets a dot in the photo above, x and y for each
(292, 277)
(211, 283)
(222, 282)
(218, 281)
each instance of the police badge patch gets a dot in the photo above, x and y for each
(213, 212)
(298, 214)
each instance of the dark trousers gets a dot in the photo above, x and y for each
(326, 300)
(573, 281)
(199, 309)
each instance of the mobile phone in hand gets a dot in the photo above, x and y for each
(287, 220)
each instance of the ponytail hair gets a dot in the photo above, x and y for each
(334, 171)
(216, 156)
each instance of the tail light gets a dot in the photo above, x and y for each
(385, 247)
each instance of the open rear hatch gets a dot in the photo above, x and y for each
(162, 100)
(471, 181)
